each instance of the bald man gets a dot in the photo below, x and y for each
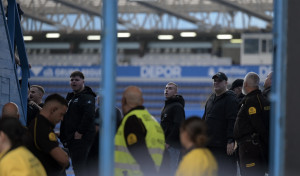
(139, 142)
(10, 110)
(251, 128)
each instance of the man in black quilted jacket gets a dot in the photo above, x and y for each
(77, 129)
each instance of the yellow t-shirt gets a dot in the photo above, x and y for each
(20, 162)
(198, 162)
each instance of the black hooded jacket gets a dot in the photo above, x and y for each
(80, 115)
(220, 114)
(172, 116)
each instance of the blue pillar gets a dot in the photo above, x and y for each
(278, 94)
(16, 38)
(109, 34)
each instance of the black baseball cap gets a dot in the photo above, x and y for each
(237, 83)
(221, 76)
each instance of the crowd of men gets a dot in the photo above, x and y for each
(237, 120)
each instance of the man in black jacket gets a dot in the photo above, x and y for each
(251, 129)
(220, 113)
(77, 129)
(35, 102)
(172, 116)
(42, 141)
(236, 87)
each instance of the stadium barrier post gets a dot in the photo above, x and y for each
(109, 43)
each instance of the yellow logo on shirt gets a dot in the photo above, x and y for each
(52, 137)
(250, 165)
(252, 110)
(131, 139)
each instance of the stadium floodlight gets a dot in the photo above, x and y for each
(94, 37)
(27, 37)
(123, 34)
(236, 41)
(224, 36)
(52, 35)
(165, 37)
(188, 34)
(207, 2)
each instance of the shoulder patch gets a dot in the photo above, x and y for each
(267, 108)
(250, 165)
(131, 139)
(52, 137)
(252, 110)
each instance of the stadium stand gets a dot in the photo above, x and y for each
(176, 59)
(65, 59)
(90, 59)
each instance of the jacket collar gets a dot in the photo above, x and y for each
(135, 108)
(253, 92)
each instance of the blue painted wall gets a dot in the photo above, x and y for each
(152, 71)
(9, 91)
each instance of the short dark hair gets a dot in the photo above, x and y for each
(14, 131)
(77, 73)
(237, 83)
(196, 129)
(58, 98)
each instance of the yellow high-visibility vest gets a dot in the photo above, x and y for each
(155, 142)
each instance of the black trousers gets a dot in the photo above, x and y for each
(93, 158)
(79, 150)
(226, 164)
(252, 161)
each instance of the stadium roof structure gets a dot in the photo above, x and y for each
(146, 17)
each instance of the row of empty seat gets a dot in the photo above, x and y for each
(181, 59)
(148, 59)
(64, 59)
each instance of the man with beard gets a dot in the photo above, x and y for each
(220, 113)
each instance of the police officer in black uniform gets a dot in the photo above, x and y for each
(42, 140)
(251, 128)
